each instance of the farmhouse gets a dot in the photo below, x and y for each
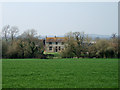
(57, 44)
(54, 44)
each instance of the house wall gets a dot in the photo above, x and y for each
(53, 45)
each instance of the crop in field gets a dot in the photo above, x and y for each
(60, 73)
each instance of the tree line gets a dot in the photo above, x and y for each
(80, 45)
(26, 45)
(29, 45)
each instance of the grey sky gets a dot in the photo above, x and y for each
(60, 18)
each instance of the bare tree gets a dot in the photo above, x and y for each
(76, 43)
(80, 43)
(5, 31)
(13, 31)
(29, 34)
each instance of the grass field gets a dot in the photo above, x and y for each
(60, 73)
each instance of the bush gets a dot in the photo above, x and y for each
(50, 56)
(67, 54)
(110, 52)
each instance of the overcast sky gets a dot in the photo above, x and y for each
(59, 18)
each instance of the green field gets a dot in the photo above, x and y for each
(60, 73)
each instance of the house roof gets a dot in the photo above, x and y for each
(56, 39)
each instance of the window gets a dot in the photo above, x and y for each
(50, 48)
(59, 48)
(56, 43)
(56, 49)
(50, 42)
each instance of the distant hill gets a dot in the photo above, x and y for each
(93, 36)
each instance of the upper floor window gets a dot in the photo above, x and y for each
(50, 42)
(56, 43)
